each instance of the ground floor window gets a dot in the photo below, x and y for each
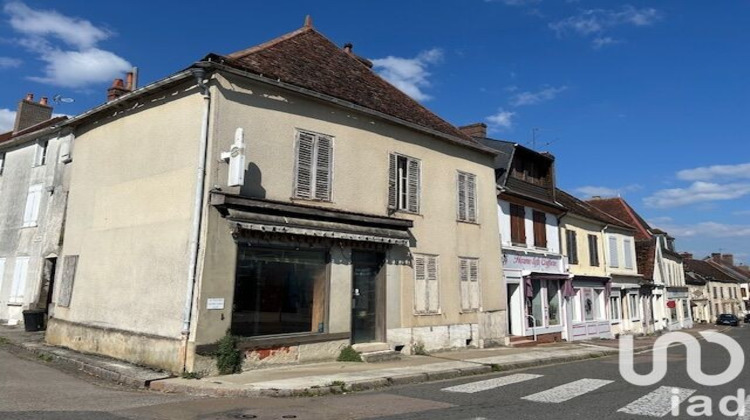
(615, 308)
(588, 305)
(544, 303)
(673, 312)
(685, 309)
(279, 291)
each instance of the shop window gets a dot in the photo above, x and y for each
(633, 306)
(553, 302)
(615, 310)
(589, 305)
(279, 291)
(576, 306)
(536, 304)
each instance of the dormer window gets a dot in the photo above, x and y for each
(531, 171)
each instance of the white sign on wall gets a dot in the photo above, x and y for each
(532, 262)
(215, 303)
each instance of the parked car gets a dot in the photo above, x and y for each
(747, 318)
(728, 319)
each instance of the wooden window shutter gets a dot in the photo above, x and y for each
(463, 274)
(461, 196)
(593, 250)
(433, 291)
(540, 229)
(474, 284)
(517, 224)
(392, 180)
(323, 167)
(303, 186)
(613, 254)
(628, 253)
(572, 245)
(471, 197)
(413, 178)
(420, 284)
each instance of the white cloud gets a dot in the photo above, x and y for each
(410, 75)
(75, 32)
(503, 119)
(7, 118)
(697, 192)
(592, 190)
(76, 64)
(596, 22)
(9, 63)
(704, 173)
(533, 98)
(704, 229)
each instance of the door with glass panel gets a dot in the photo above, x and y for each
(367, 297)
(544, 303)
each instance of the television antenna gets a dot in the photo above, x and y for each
(534, 136)
(58, 99)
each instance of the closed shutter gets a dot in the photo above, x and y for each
(433, 290)
(474, 284)
(420, 284)
(471, 197)
(18, 288)
(613, 254)
(463, 276)
(392, 180)
(628, 253)
(540, 229)
(517, 224)
(593, 250)
(413, 186)
(571, 237)
(461, 196)
(304, 165)
(323, 166)
(33, 201)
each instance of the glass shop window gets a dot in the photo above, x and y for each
(279, 291)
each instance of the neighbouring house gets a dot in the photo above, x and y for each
(739, 272)
(601, 255)
(665, 303)
(285, 194)
(721, 289)
(534, 269)
(33, 157)
(699, 293)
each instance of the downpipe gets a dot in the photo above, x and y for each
(195, 230)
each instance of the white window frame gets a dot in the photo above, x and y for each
(615, 309)
(404, 188)
(633, 307)
(426, 295)
(466, 194)
(33, 204)
(468, 279)
(40, 153)
(313, 193)
(20, 276)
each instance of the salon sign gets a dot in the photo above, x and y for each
(533, 262)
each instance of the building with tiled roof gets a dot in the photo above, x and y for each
(287, 194)
(721, 289)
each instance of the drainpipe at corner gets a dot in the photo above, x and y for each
(195, 230)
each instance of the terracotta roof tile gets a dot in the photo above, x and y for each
(5, 137)
(645, 253)
(307, 59)
(620, 209)
(582, 208)
(708, 270)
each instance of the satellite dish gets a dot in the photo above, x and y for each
(59, 99)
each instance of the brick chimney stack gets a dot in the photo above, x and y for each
(31, 113)
(475, 130)
(687, 255)
(716, 257)
(117, 89)
(728, 259)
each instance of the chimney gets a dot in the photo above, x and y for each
(116, 90)
(687, 255)
(348, 48)
(31, 113)
(475, 130)
(129, 81)
(716, 257)
(728, 259)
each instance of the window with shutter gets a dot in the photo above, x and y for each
(613, 252)
(40, 154)
(404, 181)
(33, 200)
(467, 197)
(469, 280)
(18, 288)
(313, 166)
(571, 240)
(540, 229)
(593, 250)
(518, 224)
(628, 253)
(426, 284)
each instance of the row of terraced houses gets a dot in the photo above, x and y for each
(288, 195)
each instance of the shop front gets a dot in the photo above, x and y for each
(678, 308)
(535, 294)
(588, 308)
(625, 305)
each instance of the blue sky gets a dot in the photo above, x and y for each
(648, 100)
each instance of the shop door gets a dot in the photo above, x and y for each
(368, 297)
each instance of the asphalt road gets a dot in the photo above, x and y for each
(594, 389)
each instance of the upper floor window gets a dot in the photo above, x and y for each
(313, 166)
(540, 229)
(403, 183)
(613, 252)
(593, 250)
(626, 245)
(40, 154)
(467, 197)
(572, 246)
(517, 224)
(530, 171)
(33, 201)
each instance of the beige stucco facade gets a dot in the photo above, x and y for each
(133, 182)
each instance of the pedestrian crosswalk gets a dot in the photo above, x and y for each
(656, 403)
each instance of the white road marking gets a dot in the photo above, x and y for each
(473, 387)
(568, 391)
(746, 416)
(657, 403)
